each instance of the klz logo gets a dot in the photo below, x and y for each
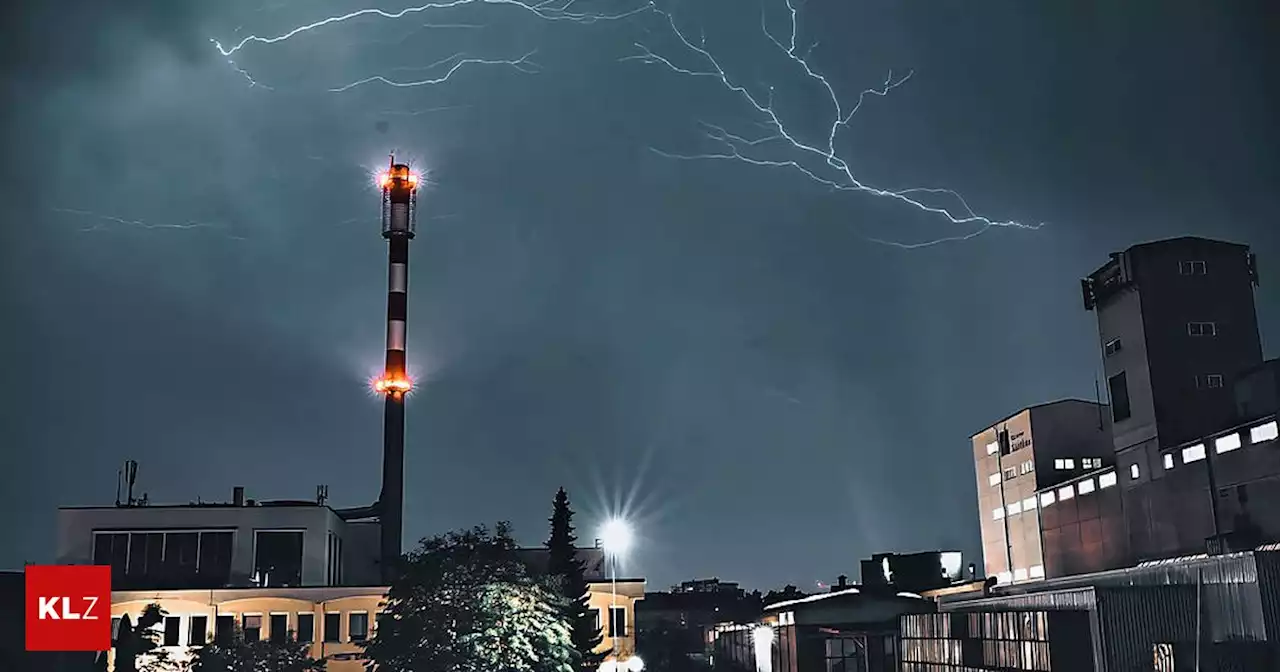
(68, 608)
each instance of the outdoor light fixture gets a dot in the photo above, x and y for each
(615, 536)
(635, 664)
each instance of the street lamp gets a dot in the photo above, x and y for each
(615, 537)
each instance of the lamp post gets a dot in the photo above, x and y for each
(616, 539)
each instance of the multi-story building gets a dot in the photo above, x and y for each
(1034, 449)
(1178, 328)
(274, 570)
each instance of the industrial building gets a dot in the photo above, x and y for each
(851, 629)
(1032, 450)
(1210, 613)
(1177, 328)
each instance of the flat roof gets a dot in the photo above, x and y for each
(1032, 407)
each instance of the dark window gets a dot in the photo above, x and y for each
(278, 558)
(617, 621)
(1202, 329)
(1112, 347)
(112, 549)
(172, 630)
(146, 555)
(224, 629)
(332, 627)
(1192, 268)
(199, 631)
(306, 628)
(1118, 387)
(252, 626)
(279, 627)
(215, 559)
(1209, 381)
(358, 626)
(181, 552)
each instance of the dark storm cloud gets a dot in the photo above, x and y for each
(48, 44)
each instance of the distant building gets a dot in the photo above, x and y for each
(846, 630)
(682, 615)
(275, 569)
(910, 572)
(1179, 336)
(713, 585)
(1034, 449)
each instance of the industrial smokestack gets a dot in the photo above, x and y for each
(399, 210)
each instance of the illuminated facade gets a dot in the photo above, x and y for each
(273, 568)
(1034, 449)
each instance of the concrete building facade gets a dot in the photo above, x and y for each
(274, 569)
(1177, 328)
(1014, 459)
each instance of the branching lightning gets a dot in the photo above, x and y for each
(548, 10)
(103, 222)
(522, 64)
(833, 171)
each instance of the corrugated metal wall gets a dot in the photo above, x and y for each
(1268, 567)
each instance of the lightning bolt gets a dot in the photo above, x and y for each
(102, 222)
(548, 10)
(821, 164)
(522, 64)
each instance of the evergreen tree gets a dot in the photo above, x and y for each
(465, 602)
(570, 574)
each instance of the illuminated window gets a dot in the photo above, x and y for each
(1011, 472)
(1029, 504)
(1112, 347)
(994, 479)
(1086, 486)
(1064, 463)
(1015, 508)
(1202, 329)
(1168, 460)
(1134, 471)
(1046, 498)
(1106, 480)
(1004, 577)
(1027, 467)
(1193, 453)
(992, 448)
(1228, 443)
(1066, 493)
(998, 514)
(1267, 432)
(1037, 571)
(1020, 575)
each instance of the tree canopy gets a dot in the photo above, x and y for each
(240, 655)
(465, 602)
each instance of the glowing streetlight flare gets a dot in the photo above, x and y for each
(615, 536)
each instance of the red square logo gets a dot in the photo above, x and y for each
(68, 607)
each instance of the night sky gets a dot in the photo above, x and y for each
(193, 275)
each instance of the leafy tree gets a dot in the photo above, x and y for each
(570, 573)
(465, 602)
(240, 655)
